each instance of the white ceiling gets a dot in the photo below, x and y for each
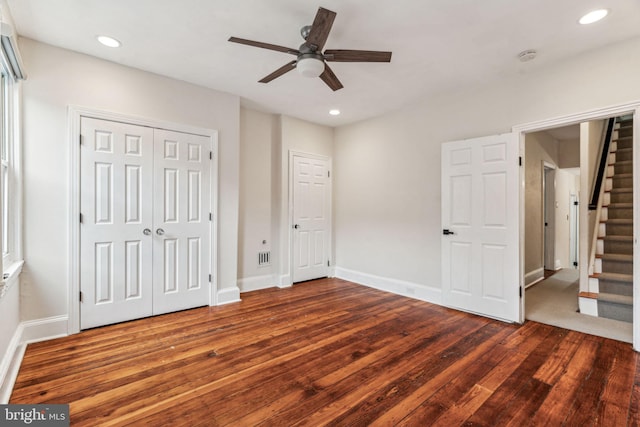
(437, 45)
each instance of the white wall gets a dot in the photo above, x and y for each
(539, 147)
(387, 169)
(301, 136)
(266, 141)
(59, 78)
(255, 220)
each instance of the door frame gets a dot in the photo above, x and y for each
(570, 119)
(289, 271)
(75, 113)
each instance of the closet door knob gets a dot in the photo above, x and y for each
(146, 232)
(159, 231)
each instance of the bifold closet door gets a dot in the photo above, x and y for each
(145, 229)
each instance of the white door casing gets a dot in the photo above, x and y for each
(310, 217)
(181, 221)
(146, 225)
(116, 205)
(480, 207)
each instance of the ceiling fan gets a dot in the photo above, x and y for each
(310, 60)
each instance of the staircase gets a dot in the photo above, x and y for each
(614, 249)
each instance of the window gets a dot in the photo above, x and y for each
(11, 72)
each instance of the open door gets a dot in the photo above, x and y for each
(480, 226)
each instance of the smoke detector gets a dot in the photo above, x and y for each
(527, 55)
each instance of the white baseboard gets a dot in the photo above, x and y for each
(228, 295)
(533, 277)
(285, 281)
(9, 366)
(398, 287)
(249, 284)
(44, 329)
(26, 333)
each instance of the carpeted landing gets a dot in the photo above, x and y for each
(554, 301)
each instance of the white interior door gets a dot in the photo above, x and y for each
(311, 225)
(116, 205)
(181, 221)
(480, 249)
(549, 226)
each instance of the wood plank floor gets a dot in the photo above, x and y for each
(330, 352)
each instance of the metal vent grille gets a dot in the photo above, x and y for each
(264, 258)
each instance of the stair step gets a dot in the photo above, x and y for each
(622, 180)
(620, 211)
(623, 167)
(619, 228)
(616, 263)
(624, 142)
(616, 277)
(621, 195)
(624, 154)
(618, 307)
(615, 283)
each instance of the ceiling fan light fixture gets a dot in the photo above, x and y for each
(310, 67)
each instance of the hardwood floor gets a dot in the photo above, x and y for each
(330, 352)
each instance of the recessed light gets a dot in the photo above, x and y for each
(334, 112)
(108, 41)
(593, 16)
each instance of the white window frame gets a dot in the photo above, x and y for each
(11, 261)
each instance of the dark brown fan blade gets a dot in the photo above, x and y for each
(320, 29)
(330, 78)
(264, 45)
(342, 55)
(280, 71)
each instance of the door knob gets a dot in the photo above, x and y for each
(296, 226)
(146, 232)
(159, 231)
(447, 232)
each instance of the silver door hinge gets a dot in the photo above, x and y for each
(210, 155)
(520, 291)
(328, 174)
(81, 297)
(328, 265)
(520, 161)
(80, 137)
(210, 216)
(209, 278)
(80, 218)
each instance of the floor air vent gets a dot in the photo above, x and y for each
(264, 258)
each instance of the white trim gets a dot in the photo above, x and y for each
(256, 283)
(588, 306)
(292, 153)
(74, 115)
(27, 332)
(228, 295)
(636, 232)
(595, 114)
(399, 287)
(43, 329)
(533, 276)
(10, 365)
(284, 281)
